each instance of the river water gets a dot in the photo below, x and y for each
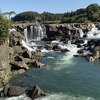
(65, 78)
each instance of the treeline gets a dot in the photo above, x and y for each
(89, 14)
(34, 16)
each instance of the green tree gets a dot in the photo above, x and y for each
(4, 28)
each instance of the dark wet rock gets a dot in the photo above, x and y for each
(48, 46)
(65, 50)
(79, 46)
(18, 58)
(79, 42)
(26, 54)
(80, 52)
(56, 48)
(35, 92)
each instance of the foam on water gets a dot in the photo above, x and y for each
(67, 58)
(61, 96)
(21, 97)
(26, 46)
(46, 51)
(94, 33)
(50, 57)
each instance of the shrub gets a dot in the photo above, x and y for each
(4, 28)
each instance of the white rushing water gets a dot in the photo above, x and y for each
(21, 97)
(94, 33)
(61, 96)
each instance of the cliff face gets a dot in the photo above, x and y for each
(4, 63)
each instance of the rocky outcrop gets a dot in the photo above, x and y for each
(32, 92)
(4, 64)
(15, 38)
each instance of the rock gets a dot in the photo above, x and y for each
(29, 62)
(11, 54)
(19, 65)
(79, 46)
(15, 38)
(37, 56)
(39, 64)
(20, 71)
(56, 48)
(48, 46)
(35, 92)
(97, 48)
(4, 64)
(96, 54)
(17, 49)
(80, 52)
(65, 50)
(79, 42)
(16, 91)
(26, 54)
(19, 58)
(90, 59)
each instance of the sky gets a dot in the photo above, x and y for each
(53, 6)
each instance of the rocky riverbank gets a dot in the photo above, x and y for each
(19, 59)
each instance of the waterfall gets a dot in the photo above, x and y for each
(34, 33)
(93, 28)
(81, 32)
(31, 31)
(25, 33)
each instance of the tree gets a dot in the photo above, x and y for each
(9, 13)
(4, 28)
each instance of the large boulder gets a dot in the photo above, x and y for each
(35, 92)
(10, 91)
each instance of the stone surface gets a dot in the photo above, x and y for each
(16, 91)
